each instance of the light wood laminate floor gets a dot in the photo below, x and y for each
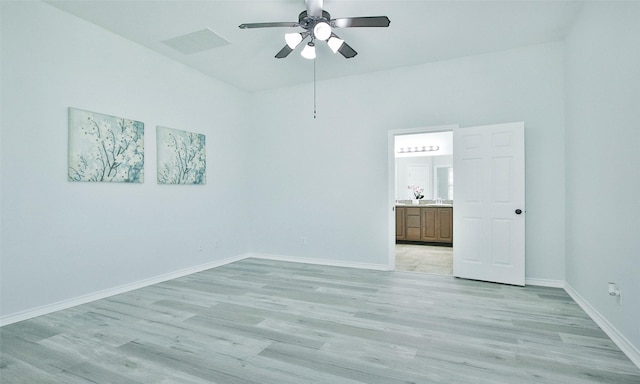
(260, 321)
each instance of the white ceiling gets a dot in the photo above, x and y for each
(420, 32)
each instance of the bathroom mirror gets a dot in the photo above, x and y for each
(434, 174)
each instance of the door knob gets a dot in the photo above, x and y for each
(518, 211)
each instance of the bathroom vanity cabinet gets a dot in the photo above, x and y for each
(431, 224)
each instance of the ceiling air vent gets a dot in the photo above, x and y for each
(196, 42)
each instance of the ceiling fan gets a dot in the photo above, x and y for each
(318, 25)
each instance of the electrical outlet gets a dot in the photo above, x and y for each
(201, 249)
(614, 291)
(303, 240)
(216, 243)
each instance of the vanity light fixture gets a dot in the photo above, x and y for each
(424, 148)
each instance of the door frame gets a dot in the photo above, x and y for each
(391, 201)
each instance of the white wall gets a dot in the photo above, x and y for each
(602, 163)
(325, 179)
(61, 240)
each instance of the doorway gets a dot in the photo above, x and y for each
(421, 186)
(490, 212)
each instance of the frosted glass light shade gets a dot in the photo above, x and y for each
(322, 31)
(293, 39)
(309, 51)
(335, 43)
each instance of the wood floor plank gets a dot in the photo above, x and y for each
(341, 367)
(271, 322)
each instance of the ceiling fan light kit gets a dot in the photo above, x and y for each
(309, 51)
(293, 39)
(322, 31)
(319, 25)
(335, 43)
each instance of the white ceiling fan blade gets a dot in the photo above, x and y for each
(314, 8)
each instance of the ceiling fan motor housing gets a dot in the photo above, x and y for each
(309, 22)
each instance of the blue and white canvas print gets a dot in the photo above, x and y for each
(105, 148)
(181, 156)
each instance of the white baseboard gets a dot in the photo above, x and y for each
(332, 263)
(64, 304)
(625, 345)
(545, 282)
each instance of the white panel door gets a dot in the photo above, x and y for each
(488, 214)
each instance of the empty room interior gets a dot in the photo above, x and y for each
(228, 191)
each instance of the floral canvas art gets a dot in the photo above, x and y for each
(181, 157)
(105, 148)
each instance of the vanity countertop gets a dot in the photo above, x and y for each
(427, 205)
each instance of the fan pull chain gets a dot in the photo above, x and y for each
(314, 90)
